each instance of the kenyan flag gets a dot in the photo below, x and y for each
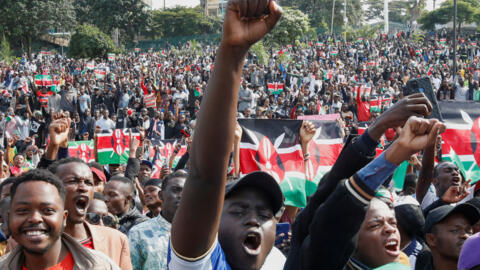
(275, 88)
(99, 73)
(418, 52)
(319, 44)
(274, 146)
(165, 151)
(113, 147)
(91, 65)
(137, 50)
(328, 74)
(430, 69)
(43, 80)
(462, 137)
(111, 57)
(359, 40)
(334, 53)
(371, 64)
(375, 104)
(443, 41)
(198, 91)
(83, 150)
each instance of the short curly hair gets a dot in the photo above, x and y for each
(54, 166)
(39, 175)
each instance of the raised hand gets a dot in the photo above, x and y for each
(238, 132)
(396, 116)
(246, 22)
(134, 143)
(455, 194)
(415, 135)
(307, 131)
(59, 130)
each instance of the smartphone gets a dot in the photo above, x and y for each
(423, 85)
(282, 228)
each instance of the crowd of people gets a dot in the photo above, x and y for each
(61, 212)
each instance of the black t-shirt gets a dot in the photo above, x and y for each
(37, 128)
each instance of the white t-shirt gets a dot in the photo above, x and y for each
(431, 197)
(215, 260)
(461, 93)
(105, 124)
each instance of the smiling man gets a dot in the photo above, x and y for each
(151, 192)
(36, 221)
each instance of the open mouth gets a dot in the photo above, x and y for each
(391, 247)
(456, 180)
(81, 204)
(252, 243)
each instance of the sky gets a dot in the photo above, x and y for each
(171, 3)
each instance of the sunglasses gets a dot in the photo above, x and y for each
(94, 219)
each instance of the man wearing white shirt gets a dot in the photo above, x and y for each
(461, 91)
(105, 123)
(436, 81)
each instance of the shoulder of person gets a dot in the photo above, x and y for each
(102, 261)
(107, 232)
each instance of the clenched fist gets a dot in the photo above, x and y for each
(415, 135)
(248, 21)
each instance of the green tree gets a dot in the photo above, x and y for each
(6, 54)
(320, 11)
(182, 21)
(89, 42)
(83, 11)
(259, 50)
(24, 21)
(402, 11)
(293, 26)
(129, 16)
(467, 11)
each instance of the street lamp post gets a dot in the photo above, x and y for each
(333, 12)
(454, 68)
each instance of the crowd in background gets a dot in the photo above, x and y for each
(120, 210)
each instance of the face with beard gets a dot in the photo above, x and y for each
(78, 180)
(37, 217)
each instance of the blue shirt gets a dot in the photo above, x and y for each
(215, 259)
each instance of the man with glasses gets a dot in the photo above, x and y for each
(97, 213)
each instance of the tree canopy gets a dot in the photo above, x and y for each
(23, 21)
(293, 25)
(467, 12)
(181, 21)
(89, 42)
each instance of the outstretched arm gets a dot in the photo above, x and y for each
(202, 199)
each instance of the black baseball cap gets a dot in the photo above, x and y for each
(435, 216)
(262, 181)
(148, 163)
